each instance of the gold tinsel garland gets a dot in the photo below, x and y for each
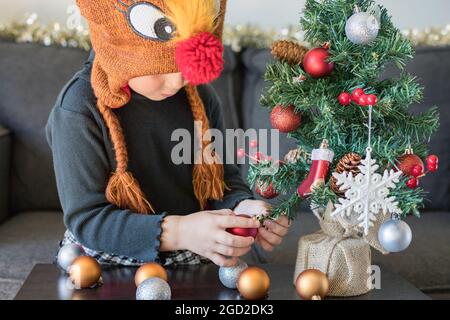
(237, 37)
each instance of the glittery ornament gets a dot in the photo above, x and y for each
(67, 255)
(230, 275)
(285, 119)
(362, 28)
(153, 289)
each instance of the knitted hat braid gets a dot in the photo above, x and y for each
(208, 172)
(123, 189)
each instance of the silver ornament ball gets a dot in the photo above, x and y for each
(153, 289)
(395, 235)
(229, 275)
(362, 28)
(67, 255)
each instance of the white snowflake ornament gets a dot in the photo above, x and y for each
(367, 194)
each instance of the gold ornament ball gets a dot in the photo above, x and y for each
(312, 284)
(85, 272)
(149, 270)
(253, 283)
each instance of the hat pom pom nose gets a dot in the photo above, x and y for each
(200, 58)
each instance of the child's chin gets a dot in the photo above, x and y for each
(159, 97)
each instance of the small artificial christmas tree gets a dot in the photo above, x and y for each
(333, 96)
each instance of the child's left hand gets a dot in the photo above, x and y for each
(271, 233)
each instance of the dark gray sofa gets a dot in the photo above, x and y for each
(30, 213)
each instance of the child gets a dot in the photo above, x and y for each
(118, 114)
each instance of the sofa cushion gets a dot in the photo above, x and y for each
(426, 263)
(31, 78)
(26, 239)
(430, 65)
(5, 155)
(225, 88)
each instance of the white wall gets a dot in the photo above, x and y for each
(267, 13)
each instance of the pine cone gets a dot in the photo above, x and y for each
(294, 155)
(348, 163)
(289, 52)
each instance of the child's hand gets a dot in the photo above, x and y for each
(204, 233)
(272, 233)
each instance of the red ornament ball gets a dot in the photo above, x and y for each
(285, 119)
(356, 94)
(200, 59)
(372, 100)
(266, 190)
(407, 162)
(345, 98)
(243, 232)
(412, 183)
(417, 171)
(315, 63)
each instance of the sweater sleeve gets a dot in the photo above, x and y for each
(239, 189)
(82, 171)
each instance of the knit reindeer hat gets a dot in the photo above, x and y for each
(134, 38)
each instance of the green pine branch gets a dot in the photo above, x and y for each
(395, 127)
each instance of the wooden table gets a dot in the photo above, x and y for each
(47, 282)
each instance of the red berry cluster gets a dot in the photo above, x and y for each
(417, 171)
(257, 157)
(359, 97)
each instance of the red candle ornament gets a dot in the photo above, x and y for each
(321, 159)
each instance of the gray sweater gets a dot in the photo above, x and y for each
(84, 159)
